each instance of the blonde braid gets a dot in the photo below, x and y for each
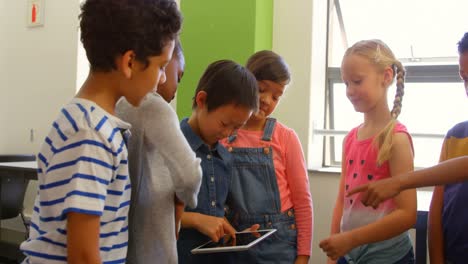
(382, 57)
(385, 138)
(400, 84)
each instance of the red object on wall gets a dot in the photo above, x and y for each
(34, 14)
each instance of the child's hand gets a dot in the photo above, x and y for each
(215, 227)
(337, 245)
(179, 210)
(376, 192)
(254, 227)
(301, 259)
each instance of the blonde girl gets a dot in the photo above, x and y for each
(378, 148)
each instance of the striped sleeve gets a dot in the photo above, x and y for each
(76, 176)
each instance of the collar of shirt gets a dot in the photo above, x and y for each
(196, 143)
(92, 106)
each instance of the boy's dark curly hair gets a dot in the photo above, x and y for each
(112, 27)
(463, 44)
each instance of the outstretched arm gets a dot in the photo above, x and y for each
(449, 171)
(453, 170)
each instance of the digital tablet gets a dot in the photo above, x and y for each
(243, 241)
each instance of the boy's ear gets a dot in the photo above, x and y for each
(126, 63)
(200, 99)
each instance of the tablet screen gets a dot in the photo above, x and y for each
(243, 241)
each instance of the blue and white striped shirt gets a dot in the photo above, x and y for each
(82, 167)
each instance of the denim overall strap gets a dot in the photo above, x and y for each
(232, 137)
(268, 130)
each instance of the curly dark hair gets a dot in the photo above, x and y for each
(463, 44)
(112, 27)
(227, 82)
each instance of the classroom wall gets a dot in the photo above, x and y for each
(292, 38)
(37, 71)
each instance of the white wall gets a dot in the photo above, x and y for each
(324, 189)
(292, 38)
(37, 76)
(2, 67)
(37, 71)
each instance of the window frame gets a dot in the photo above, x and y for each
(419, 70)
(415, 74)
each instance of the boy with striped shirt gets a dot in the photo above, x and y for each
(81, 208)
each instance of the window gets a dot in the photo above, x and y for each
(423, 37)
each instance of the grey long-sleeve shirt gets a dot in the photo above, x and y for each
(161, 164)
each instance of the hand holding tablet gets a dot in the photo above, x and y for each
(242, 241)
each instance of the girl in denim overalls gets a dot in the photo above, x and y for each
(269, 184)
